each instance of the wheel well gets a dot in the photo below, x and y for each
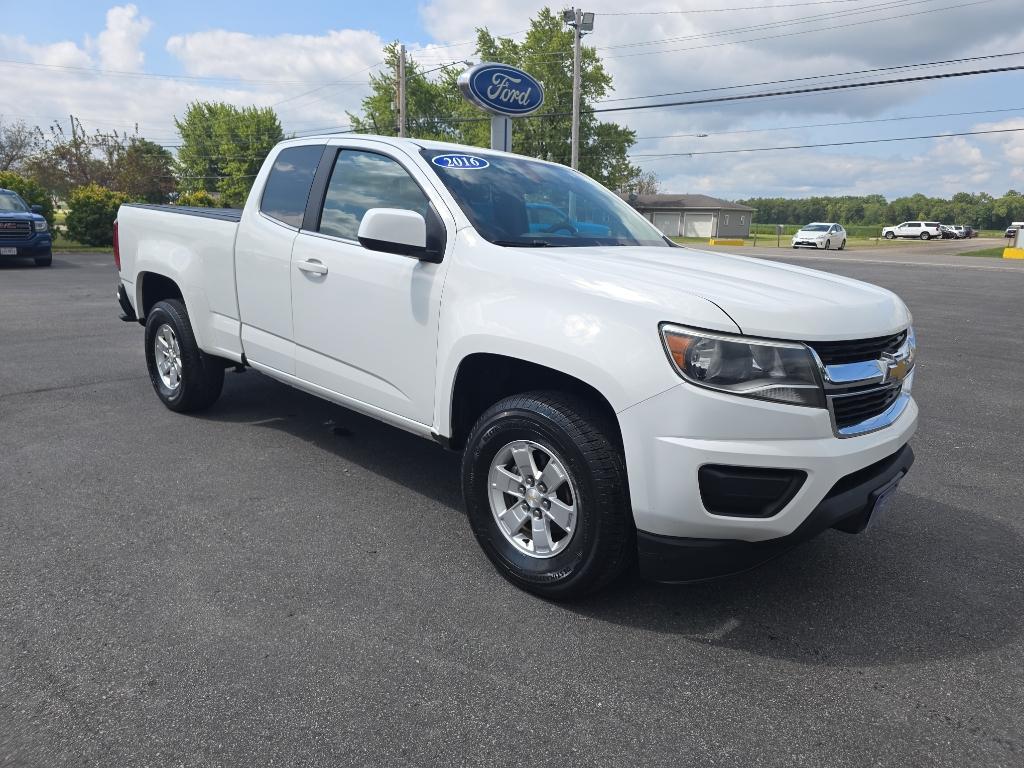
(156, 287)
(483, 379)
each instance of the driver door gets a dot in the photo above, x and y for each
(366, 321)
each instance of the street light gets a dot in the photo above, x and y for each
(581, 23)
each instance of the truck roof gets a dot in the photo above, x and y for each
(413, 145)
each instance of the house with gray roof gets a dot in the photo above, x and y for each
(694, 215)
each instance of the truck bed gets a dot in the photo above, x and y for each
(194, 247)
(224, 214)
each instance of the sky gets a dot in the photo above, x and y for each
(122, 65)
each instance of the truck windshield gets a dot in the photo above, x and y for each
(11, 202)
(515, 201)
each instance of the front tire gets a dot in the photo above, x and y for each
(185, 378)
(890, 235)
(828, 244)
(545, 487)
(45, 260)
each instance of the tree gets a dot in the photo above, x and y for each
(144, 171)
(30, 191)
(223, 148)
(641, 183)
(436, 109)
(18, 142)
(92, 212)
(117, 160)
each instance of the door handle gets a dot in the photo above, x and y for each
(312, 266)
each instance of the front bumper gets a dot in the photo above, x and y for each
(40, 244)
(803, 243)
(847, 506)
(667, 438)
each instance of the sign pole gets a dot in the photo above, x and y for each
(501, 133)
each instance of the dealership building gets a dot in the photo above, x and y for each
(694, 215)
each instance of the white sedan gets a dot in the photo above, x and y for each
(820, 235)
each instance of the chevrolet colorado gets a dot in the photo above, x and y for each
(616, 398)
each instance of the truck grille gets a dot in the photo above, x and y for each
(15, 230)
(855, 407)
(839, 352)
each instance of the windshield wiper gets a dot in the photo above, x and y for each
(523, 243)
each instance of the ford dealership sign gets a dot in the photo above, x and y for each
(501, 89)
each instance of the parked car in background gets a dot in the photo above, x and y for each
(1011, 231)
(959, 230)
(948, 232)
(823, 235)
(923, 230)
(970, 231)
(23, 230)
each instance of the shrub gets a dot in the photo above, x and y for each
(30, 191)
(199, 199)
(92, 212)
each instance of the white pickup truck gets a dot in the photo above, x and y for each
(616, 398)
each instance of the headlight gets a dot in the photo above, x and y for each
(40, 226)
(767, 370)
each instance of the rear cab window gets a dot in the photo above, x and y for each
(287, 188)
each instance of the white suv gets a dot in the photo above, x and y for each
(924, 230)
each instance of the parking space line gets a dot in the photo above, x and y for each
(1002, 267)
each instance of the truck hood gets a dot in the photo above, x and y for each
(19, 216)
(764, 298)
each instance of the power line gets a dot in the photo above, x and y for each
(723, 10)
(876, 6)
(794, 91)
(157, 75)
(815, 77)
(828, 125)
(828, 144)
(829, 28)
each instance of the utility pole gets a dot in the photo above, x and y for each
(401, 91)
(581, 23)
(574, 160)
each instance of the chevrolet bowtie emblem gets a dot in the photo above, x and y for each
(895, 366)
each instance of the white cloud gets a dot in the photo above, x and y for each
(118, 44)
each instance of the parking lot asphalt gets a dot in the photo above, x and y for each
(282, 582)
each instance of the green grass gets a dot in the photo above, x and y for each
(992, 253)
(61, 243)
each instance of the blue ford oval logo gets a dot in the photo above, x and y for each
(463, 162)
(501, 89)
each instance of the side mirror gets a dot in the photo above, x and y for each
(36, 208)
(393, 230)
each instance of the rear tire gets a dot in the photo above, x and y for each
(185, 378)
(925, 236)
(536, 429)
(44, 260)
(842, 246)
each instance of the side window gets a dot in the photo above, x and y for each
(364, 180)
(914, 224)
(743, 219)
(287, 190)
(727, 218)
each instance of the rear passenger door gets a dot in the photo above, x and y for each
(263, 251)
(366, 321)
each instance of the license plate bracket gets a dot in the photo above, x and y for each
(8, 251)
(882, 498)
